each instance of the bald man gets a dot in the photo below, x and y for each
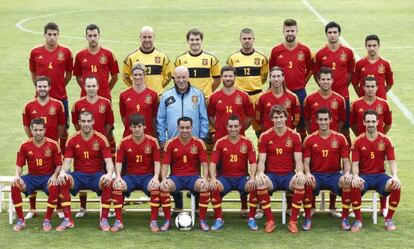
(157, 64)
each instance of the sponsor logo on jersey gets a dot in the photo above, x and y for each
(257, 61)
(157, 59)
(147, 149)
(102, 108)
(148, 99)
(219, 101)
(379, 109)
(48, 152)
(324, 58)
(225, 149)
(129, 150)
(301, 56)
(85, 60)
(243, 148)
(334, 104)
(34, 112)
(95, 145)
(363, 69)
(77, 146)
(30, 152)
(175, 150)
(268, 104)
(40, 57)
(343, 56)
(60, 56)
(103, 59)
(381, 69)
(128, 99)
(381, 146)
(363, 148)
(280, 56)
(289, 142)
(52, 110)
(194, 149)
(238, 100)
(204, 62)
(334, 144)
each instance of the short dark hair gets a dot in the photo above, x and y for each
(227, 68)
(85, 113)
(372, 38)
(233, 117)
(92, 27)
(325, 70)
(370, 112)
(290, 23)
(370, 78)
(185, 119)
(246, 31)
(37, 121)
(42, 78)
(278, 109)
(323, 110)
(194, 31)
(136, 119)
(91, 77)
(50, 26)
(332, 25)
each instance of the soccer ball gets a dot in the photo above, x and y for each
(183, 221)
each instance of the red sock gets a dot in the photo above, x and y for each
(383, 202)
(298, 195)
(203, 204)
(215, 196)
(332, 200)
(17, 201)
(118, 199)
(243, 201)
(65, 198)
(32, 200)
(307, 201)
(155, 203)
(289, 200)
(165, 199)
(264, 200)
(346, 202)
(393, 202)
(52, 200)
(253, 202)
(356, 202)
(83, 198)
(106, 201)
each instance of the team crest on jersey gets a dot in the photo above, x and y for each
(343, 56)
(289, 142)
(301, 56)
(95, 145)
(194, 149)
(243, 148)
(204, 62)
(381, 146)
(102, 108)
(148, 99)
(52, 110)
(334, 144)
(61, 56)
(257, 61)
(48, 152)
(287, 103)
(157, 59)
(381, 69)
(334, 104)
(379, 109)
(238, 100)
(147, 149)
(103, 59)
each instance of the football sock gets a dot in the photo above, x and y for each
(215, 196)
(17, 201)
(243, 201)
(118, 199)
(65, 198)
(166, 204)
(106, 201)
(203, 204)
(307, 201)
(264, 200)
(383, 202)
(393, 201)
(356, 202)
(83, 197)
(332, 200)
(52, 201)
(154, 203)
(298, 195)
(253, 202)
(32, 200)
(346, 202)
(289, 200)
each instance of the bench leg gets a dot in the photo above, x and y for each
(322, 201)
(284, 207)
(11, 209)
(374, 207)
(193, 205)
(1, 198)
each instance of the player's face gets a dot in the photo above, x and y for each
(371, 123)
(137, 130)
(181, 80)
(370, 88)
(42, 89)
(233, 128)
(323, 120)
(372, 47)
(147, 39)
(86, 123)
(276, 79)
(333, 35)
(290, 33)
(194, 42)
(247, 41)
(93, 38)
(138, 77)
(279, 120)
(38, 132)
(325, 81)
(184, 129)
(228, 78)
(51, 37)
(91, 87)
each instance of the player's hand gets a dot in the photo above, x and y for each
(251, 184)
(204, 183)
(214, 184)
(165, 185)
(261, 179)
(107, 179)
(310, 180)
(357, 182)
(117, 183)
(395, 182)
(62, 177)
(53, 180)
(17, 181)
(154, 183)
(347, 179)
(300, 178)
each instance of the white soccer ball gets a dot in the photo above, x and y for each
(183, 221)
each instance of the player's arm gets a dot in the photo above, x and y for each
(33, 77)
(27, 131)
(212, 120)
(64, 169)
(60, 130)
(247, 122)
(17, 178)
(310, 179)
(357, 181)
(393, 169)
(307, 126)
(112, 82)
(299, 167)
(107, 178)
(68, 77)
(126, 71)
(216, 83)
(79, 80)
(346, 170)
(260, 176)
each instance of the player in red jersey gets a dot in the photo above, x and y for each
(139, 99)
(280, 165)
(277, 95)
(96, 61)
(229, 101)
(101, 110)
(141, 153)
(232, 154)
(369, 152)
(185, 154)
(91, 155)
(295, 59)
(323, 152)
(44, 161)
(373, 65)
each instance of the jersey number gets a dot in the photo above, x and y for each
(86, 154)
(138, 108)
(138, 158)
(94, 69)
(195, 72)
(148, 70)
(290, 64)
(333, 66)
(279, 151)
(50, 65)
(185, 159)
(44, 119)
(233, 158)
(372, 155)
(229, 109)
(39, 162)
(246, 71)
(325, 153)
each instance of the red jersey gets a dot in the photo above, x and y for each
(371, 154)
(325, 153)
(100, 65)
(288, 99)
(52, 112)
(185, 159)
(53, 64)
(358, 108)
(334, 102)
(233, 156)
(140, 157)
(280, 150)
(41, 160)
(296, 64)
(101, 111)
(144, 103)
(222, 106)
(88, 155)
(380, 70)
(341, 61)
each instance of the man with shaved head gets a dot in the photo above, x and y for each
(157, 64)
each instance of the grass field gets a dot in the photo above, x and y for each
(221, 22)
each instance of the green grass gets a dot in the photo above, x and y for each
(221, 22)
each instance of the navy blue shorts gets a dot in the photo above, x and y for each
(233, 183)
(280, 182)
(184, 182)
(34, 183)
(82, 181)
(66, 107)
(301, 93)
(137, 182)
(327, 181)
(375, 182)
(347, 113)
